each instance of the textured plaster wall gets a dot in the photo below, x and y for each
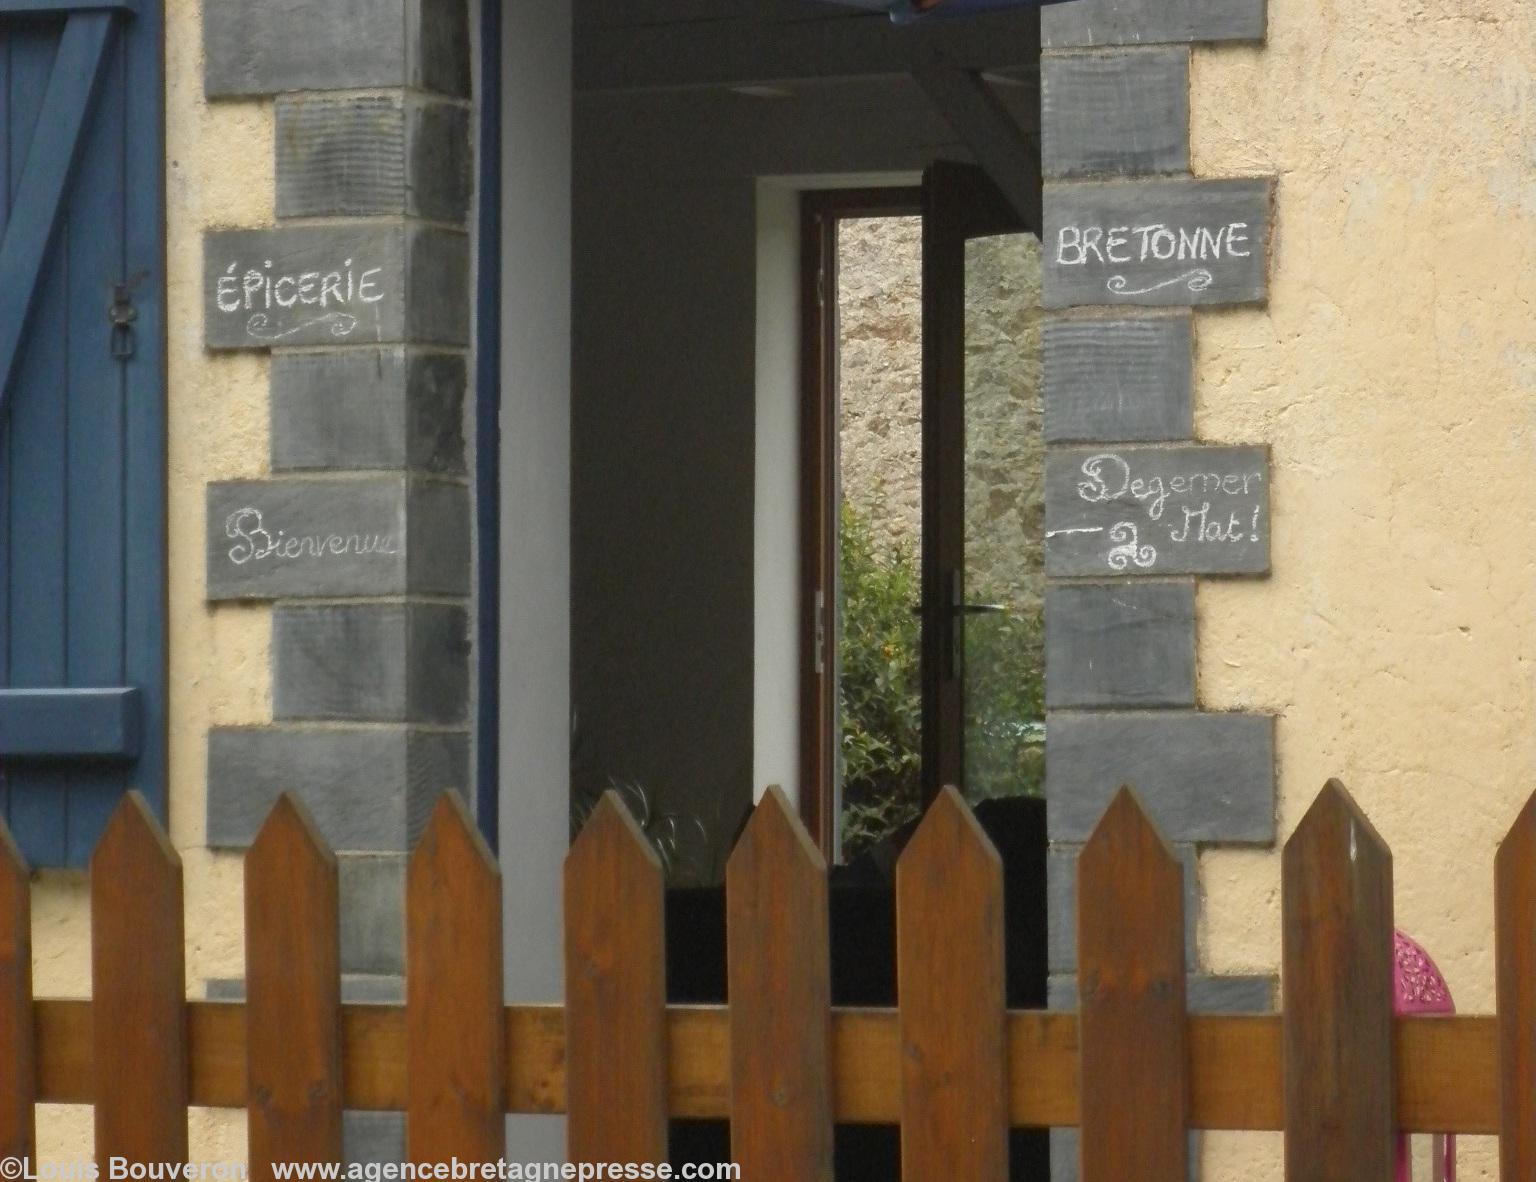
(1394, 374)
(218, 173)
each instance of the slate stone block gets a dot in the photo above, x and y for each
(1119, 380)
(375, 536)
(437, 560)
(440, 159)
(369, 789)
(439, 287)
(373, 915)
(349, 283)
(1202, 777)
(1120, 646)
(265, 47)
(1138, 511)
(1117, 114)
(340, 156)
(368, 409)
(1061, 897)
(372, 154)
(371, 662)
(1148, 22)
(1157, 243)
(373, 1138)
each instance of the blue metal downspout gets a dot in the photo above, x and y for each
(488, 431)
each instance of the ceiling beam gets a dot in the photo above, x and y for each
(764, 51)
(992, 134)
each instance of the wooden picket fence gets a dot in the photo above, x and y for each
(1336, 1071)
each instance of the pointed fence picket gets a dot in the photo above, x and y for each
(780, 986)
(950, 991)
(455, 1024)
(1336, 903)
(1336, 1071)
(1130, 966)
(616, 992)
(138, 991)
(293, 994)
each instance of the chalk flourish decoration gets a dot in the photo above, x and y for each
(1197, 280)
(1128, 551)
(342, 324)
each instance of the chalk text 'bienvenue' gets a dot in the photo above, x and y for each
(255, 543)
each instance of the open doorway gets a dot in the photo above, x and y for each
(705, 139)
(688, 646)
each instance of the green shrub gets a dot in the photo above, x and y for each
(879, 694)
(880, 697)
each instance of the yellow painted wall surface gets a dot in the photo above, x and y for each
(218, 173)
(1394, 374)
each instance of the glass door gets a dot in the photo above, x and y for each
(983, 509)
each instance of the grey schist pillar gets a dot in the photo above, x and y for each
(1137, 508)
(360, 537)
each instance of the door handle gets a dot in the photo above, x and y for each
(971, 609)
(958, 609)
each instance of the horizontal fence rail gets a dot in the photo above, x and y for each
(1336, 1071)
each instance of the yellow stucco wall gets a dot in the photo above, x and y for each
(218, 173)
(1394, 374)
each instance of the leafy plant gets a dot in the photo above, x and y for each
(880, 695)
(681, 840)
(1005, 704)
(666, 832)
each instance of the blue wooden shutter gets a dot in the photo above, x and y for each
(82, 418)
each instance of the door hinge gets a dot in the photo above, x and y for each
(121, 315)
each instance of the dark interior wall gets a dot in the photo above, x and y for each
(662, 456)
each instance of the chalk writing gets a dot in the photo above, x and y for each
(1077, 246)
(1127, 550)
(1154, 509)
(256, 291)
(1115, 245)
(255, 543)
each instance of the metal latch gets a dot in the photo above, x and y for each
(121, 316)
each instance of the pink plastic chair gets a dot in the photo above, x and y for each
(1419, 988)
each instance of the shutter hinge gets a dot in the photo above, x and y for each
(121, 316)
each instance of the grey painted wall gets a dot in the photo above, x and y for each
(663, 493)
(535, 506)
